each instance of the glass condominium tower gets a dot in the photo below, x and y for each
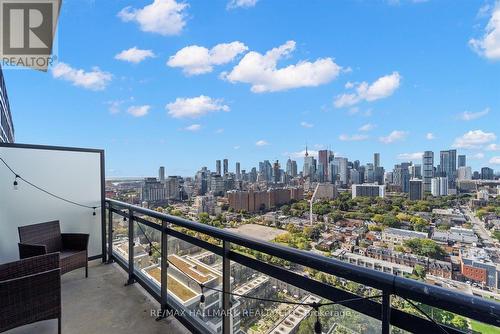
(6, 125)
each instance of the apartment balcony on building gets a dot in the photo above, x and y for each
(150, 272)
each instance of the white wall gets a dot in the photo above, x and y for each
(69, 174)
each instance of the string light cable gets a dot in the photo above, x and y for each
(19, 177)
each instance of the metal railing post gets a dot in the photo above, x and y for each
(110, 235)
(164, 269)
(226, 287)
(386, 312)
(131, 276)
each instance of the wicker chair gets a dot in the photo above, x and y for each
(47, 238)
(30, 291)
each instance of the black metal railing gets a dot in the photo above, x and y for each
(469, 306)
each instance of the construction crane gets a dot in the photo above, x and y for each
(311, 201)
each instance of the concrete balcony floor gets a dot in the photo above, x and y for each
(102, 304)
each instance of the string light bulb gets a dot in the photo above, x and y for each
(15, 183)
(93, 213)
(317, 324)
(317, 327)
(150, 253)
(202, 297)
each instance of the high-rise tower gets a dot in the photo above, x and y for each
(6, 125)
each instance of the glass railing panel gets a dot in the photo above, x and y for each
(120, 237)
(269, 305)
(189, 268)
(443, 317)
(147, 255)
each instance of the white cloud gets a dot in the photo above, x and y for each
(382, 87)
(306, 125)
(394, 136)
(219, 131)
(495, 160)
(114, 106)
(134, 55)
(232, 4)
(262, 73)
(139, 111)
(193, 127)
(236, 147)
(430, 136)
(301, 154)
(485, 10)
(349, 85)
(469, 116)
(410, 156)
(488, 45)
(345, 100)
(493, 147)
(195, 107)
(356, 111)
(474, 139)
(196, 59)
(367, 127)
(355, 137)
(261, 142)
(165, 17)
(92, 80)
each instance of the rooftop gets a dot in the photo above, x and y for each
(176, 287)
(405, 233)
(475, 254)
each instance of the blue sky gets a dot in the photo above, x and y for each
(181, 84)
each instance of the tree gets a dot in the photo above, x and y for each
(420, 224)
(403, 216)
(204, 218)
(285, 209)
(291, 228)
(312, 233)
(390, 220)
(321, 208)
(419, 271)
(336, 216)
(425, 247)
(399, 248)
(459, 322)
(176, 212)
(374, 228)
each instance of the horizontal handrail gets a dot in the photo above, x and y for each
(473, 307)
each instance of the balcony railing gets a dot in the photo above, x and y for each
(176, 278)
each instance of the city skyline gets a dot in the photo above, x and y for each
(233, 166)
(240, 83)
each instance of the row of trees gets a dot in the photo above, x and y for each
(388, 212)
(425, 247)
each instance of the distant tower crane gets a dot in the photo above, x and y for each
(311, 203)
